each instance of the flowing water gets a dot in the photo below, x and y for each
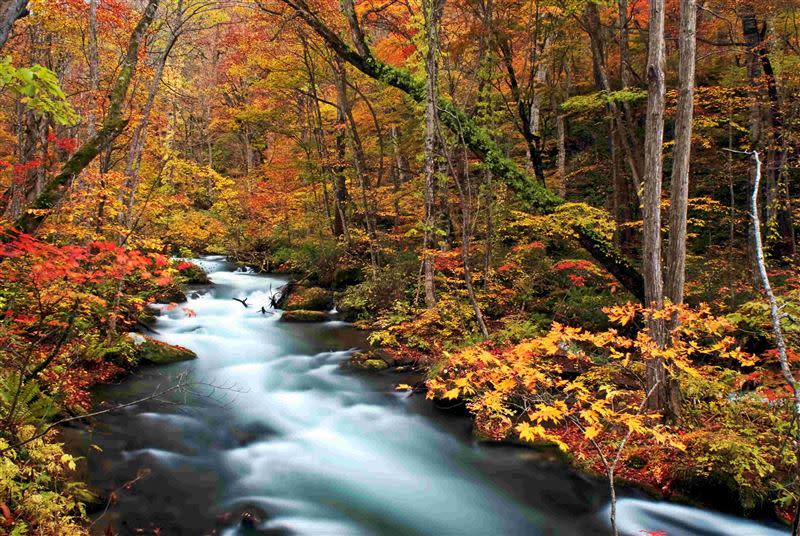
(279, 432)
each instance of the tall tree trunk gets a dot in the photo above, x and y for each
(561, 137)
(359, 158)
(319, 136)
(679, 183)
(524, 110)
(778, 203)
(624, 46)
(340, 197)
(433, 13)
(133, 161)
(400, 177)
(94, 71)
(621, 191)
(626, 136)
(656, 373)
(464, 187)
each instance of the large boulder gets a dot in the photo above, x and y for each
(170, 294)
(351, 310)
(310, 299)
(157, 352)
(193, 274)
(304, 316)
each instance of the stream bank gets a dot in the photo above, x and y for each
(295, 443)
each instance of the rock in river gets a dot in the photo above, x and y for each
(157, 352)
(304, 316)
(310, 299)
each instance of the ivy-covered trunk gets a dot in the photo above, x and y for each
(533, 195)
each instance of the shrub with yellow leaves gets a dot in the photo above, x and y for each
(37, 488)
(584, 391)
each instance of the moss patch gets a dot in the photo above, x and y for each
(304, 316)
(194, 275)
(157, 352)
(170, 294)
(310, 299)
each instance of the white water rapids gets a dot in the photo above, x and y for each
(311, 449)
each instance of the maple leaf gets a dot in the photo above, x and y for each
(527, 432)
(591, 432)
(547, 413)
(452, 393)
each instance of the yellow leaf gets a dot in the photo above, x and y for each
(507, 384)
(452, 393)
(591, 432)
(549, 413)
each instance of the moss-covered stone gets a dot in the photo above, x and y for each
(157, 352)
(370, 360)
(304, 316)
(351, 306)
(374, 364)
(170, 294)
(193, 274)
(310, 299)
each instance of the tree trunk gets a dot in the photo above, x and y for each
(359, 158)
(433, 12)
(561, 143)
(775, 315)
(464, 187)
(10, 12)
(626, 136)
(679, 184)
(525, 110)
(340, 196)
(94, 71)
(659, 399)
(401, 165)
(139, 137)
(778, 205)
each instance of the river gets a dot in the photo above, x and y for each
(280, 433)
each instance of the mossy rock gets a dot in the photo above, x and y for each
(371, 360)
(170, 294)
(373, 364)
(719, 490)
(310, 299)
(304, 316)
(157, 352)
(350, 311)
(148, 317)
(193, 274)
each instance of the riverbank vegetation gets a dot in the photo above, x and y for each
(545, 207)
